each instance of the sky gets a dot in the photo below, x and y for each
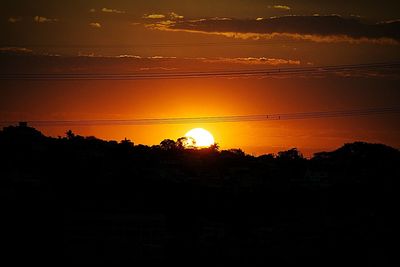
(170, 37)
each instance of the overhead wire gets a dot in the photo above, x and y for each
(200, 74)
(218, 119)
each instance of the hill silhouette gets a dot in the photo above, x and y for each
(117, 202)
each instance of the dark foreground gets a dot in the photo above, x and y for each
(84, 200)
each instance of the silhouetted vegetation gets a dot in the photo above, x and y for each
(116, 202)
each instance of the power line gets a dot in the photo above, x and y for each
(219, 119)
(200, 74)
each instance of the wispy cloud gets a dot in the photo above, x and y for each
(40, 19)
(153, 16)
(14, 19)
(161, 57)
(17, 50)
(331, 28)
(110, 10)
(174, 15)
(255, 61)
(86, 54)
(389, 21)
(96, 25)
(170, 15)
(86, 62)
(157, 68)
(281, 7)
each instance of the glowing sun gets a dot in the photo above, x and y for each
(201, 137)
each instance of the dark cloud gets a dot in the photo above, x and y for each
(22, 61)
(14, 50)
(14, 19)
(317, 28)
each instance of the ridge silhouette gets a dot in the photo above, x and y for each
(117, 202)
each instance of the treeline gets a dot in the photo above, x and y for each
(117, 202)
(30, 154)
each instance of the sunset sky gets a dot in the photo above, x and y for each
(170, 37)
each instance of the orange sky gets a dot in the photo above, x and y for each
(215, 97)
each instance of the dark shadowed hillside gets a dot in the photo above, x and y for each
(85, 200)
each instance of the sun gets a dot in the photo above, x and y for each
(201, 137)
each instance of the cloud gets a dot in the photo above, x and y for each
(129, 56)
(331, 28)
(154, 16)
(218, 18)
(40, 19)
(161, 25)
(389, 21)
(14, 19)
(95, 25)
(157, 68)
(170, 15)
(281, 7)
(92, 10)
(15, 50)
(85, 54)
(174, 16)
(255, 61)
(15, 60)
(109, 10)
(161, 57)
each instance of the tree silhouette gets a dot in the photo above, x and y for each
(291, 154)
(168, 144)
(214, 147)
(185, 142)
(70, 135)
